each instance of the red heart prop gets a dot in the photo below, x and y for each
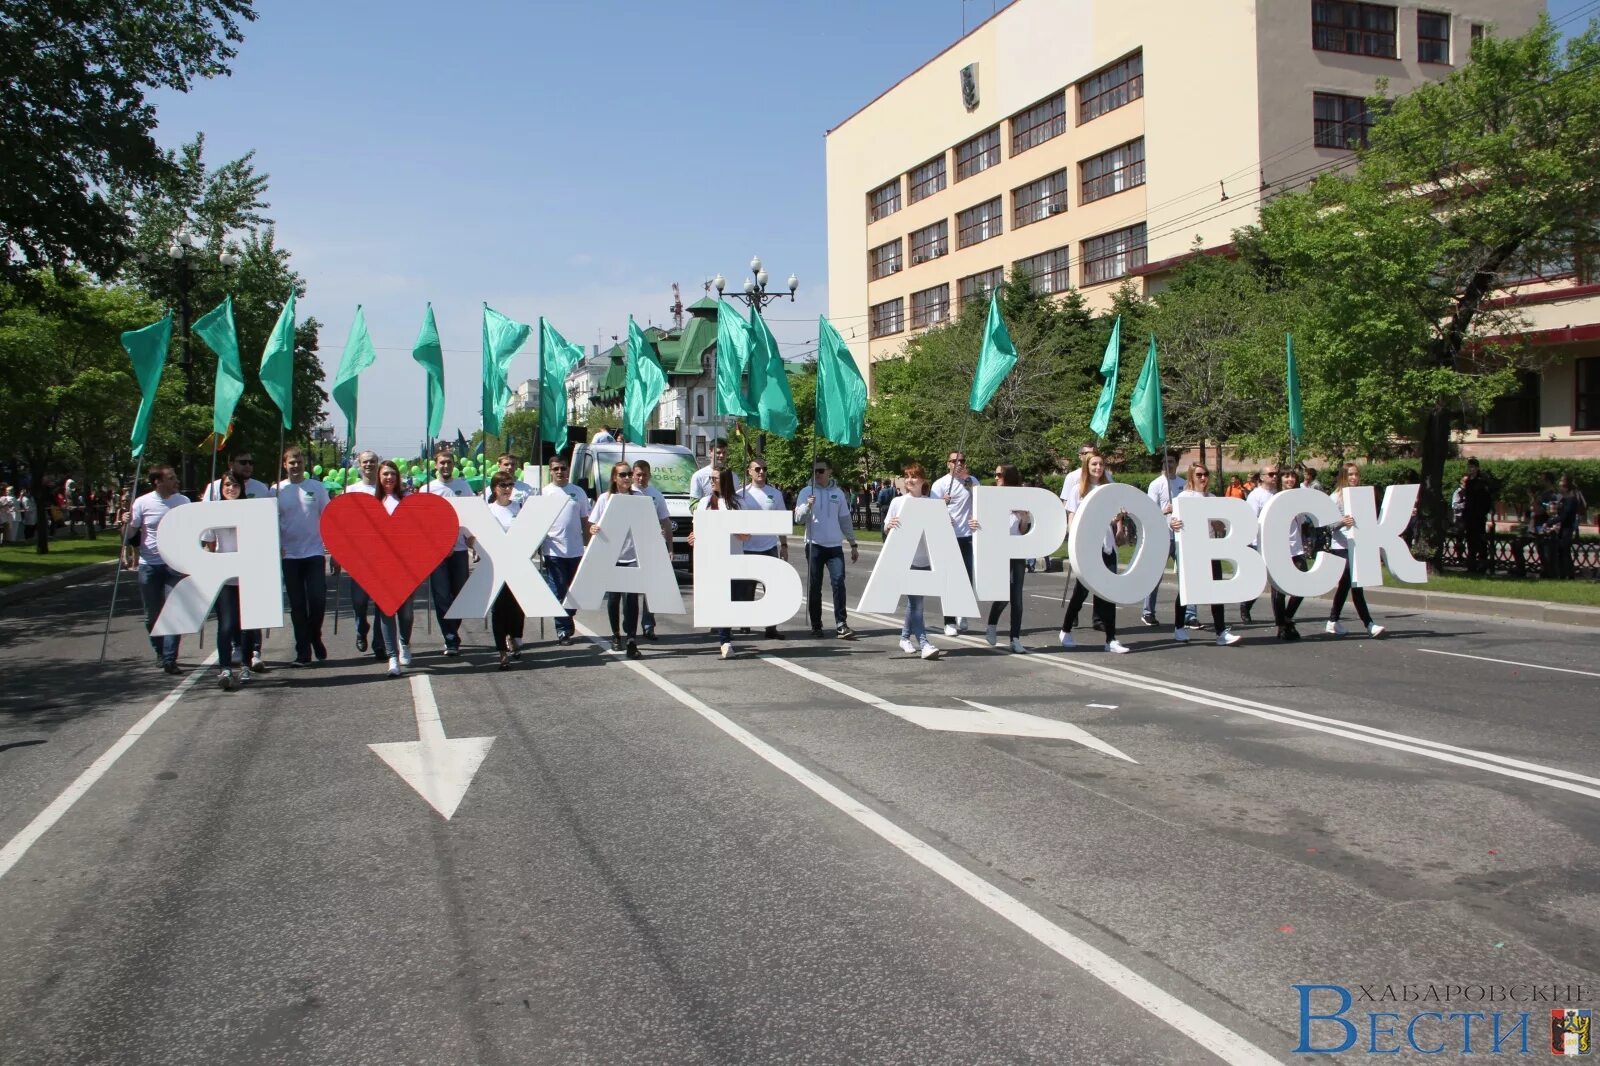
(389, 555)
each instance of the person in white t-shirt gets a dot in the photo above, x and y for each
(622, 608)
(824, 509)
(757, 495)
(913, 629)
(243, 464)
(955, 489)
(506, 616)
(563, 545)
(1162, 489)
(1198, 484)
(520, 490)
(1297, 555)
(140, 548)
(1349, 476)
(1007, 475)
(605, 436)
(360, 602)
(233, 650)
(705, 479)
(1260, 496)
(641, 483)
(450, 576)
(1073, 491)
(301, 501)
(395, 629)
(724, 497)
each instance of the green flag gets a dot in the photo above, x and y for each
(1108, 370)
(430, 356)
(1145, 404)
(769, 382)
(841, 394)
(557, 357)
(358, 355)
(147, 347)
(501, 339)
(216, 328)
(996, 358)
(733, 359)
(642, 392)
(1297, 424)
(277, 362)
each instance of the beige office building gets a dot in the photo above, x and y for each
(1089, 141)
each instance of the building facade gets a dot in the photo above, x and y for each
(1090, 142)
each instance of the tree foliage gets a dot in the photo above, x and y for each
(75, 121)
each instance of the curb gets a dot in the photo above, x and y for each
(27, 590)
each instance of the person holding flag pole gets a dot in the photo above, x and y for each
(563, 548)
(1144, 407)
(1099, 422)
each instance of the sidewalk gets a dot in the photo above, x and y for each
(27, 590)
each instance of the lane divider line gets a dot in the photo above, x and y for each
(18, 845)
(1509, 662)
(1210, 1034)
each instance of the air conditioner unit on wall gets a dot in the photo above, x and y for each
(895, 269)
(1056, 209)
(917, 259)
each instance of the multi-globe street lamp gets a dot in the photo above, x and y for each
(755, 292)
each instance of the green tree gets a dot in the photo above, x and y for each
(1467, 182)
(520, 428)
(73, 79)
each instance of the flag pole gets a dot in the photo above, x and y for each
(116, 582)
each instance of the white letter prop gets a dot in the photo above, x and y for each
(599, 573)
(1277, 520)
(255, 564)
(509, 553)
(1376, 538)
(716, 567)
(920, 518)
(1084, 544)
(1197, 549)
(993, 546)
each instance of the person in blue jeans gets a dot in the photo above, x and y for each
(914, 630)
(563, 545)
(824, 509)
(450, 576)
(156, 579)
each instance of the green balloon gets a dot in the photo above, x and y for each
(317, 470)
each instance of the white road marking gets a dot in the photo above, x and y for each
(18, 845)
(1103, 706)
(986, 719)
(1073, 662)
(1202, 1029)
(1509, 662)
(440, 769)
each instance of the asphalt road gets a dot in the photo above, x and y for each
(695, 860)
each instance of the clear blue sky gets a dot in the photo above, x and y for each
(565, 159)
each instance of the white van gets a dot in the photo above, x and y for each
(671, 467)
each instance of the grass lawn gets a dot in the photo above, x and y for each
(1580, 591)
(19, 562)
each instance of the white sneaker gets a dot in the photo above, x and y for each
(244, 675)
(908, 645)
(1180, 635)
(394, 666)
(1335, 629)
(992, 635)
(1375, 630)
(950, 630)
(1227, 637)
(1017, 648)
(405, 655)
(225, 680)
(1116, 647)
(961, 624)
(1066, 639)
(727, 650)
(929, 651)
(258, 663)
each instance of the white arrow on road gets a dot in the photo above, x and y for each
(440, 769)
(986, 719)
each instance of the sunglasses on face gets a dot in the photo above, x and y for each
(558, 470)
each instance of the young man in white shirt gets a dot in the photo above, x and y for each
(520, 490)
(139, 548)
(824, 509)
(760, 496)
(450, 576)
(563, 545)
(955, 489)
(641, 483)
(1163, 490)
(705, 479)
(360, 602)
(241, 462)
(1260, 496)
(301, 501)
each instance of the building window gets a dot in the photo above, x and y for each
(979, 286)
(978, 224)
(884, 260)
(1039, 199)
(1548, 262)
(930, 242)
(1039, 123)
(1111, 255)
(930, 306)
(1517, 411)
(1586, 386)
(699, 405)
(1477, 32)
(1340, 121)
(1356, 28)
(1047, 272)
(927, 179)
(1111, 172)
(887, 318)
(978, 154)
(1119, 84)
(1433, 37)
(883, 201)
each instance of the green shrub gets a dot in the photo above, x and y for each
(1515, 481)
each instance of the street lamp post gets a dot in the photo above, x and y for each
(755, 295)
(185, 247)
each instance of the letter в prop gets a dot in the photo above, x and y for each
(1198, 549)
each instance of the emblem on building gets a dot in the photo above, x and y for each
(969, 86)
